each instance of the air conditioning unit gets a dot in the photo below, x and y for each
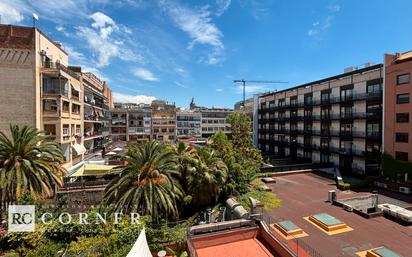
(405, 190)
(347, 207)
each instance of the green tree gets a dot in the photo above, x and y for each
(241, 157)
(149, 181)
(29, 163)
(185, 154)
(207, 177)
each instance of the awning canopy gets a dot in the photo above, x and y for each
(118, 149)
(140, 247)
(93, 170)
(111, 153)
(76, 87)
(79, 148)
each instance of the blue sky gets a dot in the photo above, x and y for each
(176, 49)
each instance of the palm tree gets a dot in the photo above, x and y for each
(185, 154)
(149, 182)
(207, 177)
(29, 163)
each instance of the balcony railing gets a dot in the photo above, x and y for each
(331, 100)
(57, 65)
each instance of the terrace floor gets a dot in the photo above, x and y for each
(305, 194)
(242, 248)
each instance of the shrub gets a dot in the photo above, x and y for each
(47, 249)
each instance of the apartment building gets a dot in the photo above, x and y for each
(39, 89)
(96, 111)
(118, 123)
(131, 122)
(163, 121)
(334, 120)
(188, 124)
(214, 120)
(139, 123)
(398, 106)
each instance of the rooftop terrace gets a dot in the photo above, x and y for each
(306, 194)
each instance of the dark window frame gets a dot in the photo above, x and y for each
(402, 117)
(402, 137)
(403, 101)
(401, 75)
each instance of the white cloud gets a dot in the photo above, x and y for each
(180, 84)
(105, 39)
(222, 6)
(10, 14)
(197, 23)
(252, 89)
(334, 8)
(124, 98)
(321, 26)
(144, 74)
(219, 90)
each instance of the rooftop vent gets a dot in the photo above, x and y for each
(350, 69)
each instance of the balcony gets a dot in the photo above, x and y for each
(55, 87)
(49, 66)
(92, 134)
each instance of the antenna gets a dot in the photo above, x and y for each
(35, 18)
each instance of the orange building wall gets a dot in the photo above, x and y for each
(391, 127)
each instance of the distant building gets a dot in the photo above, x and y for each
(163, 121)
(131, 122)
(214, 120)
(188, 124)
(398, 106)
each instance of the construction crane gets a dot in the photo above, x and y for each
(254, 81)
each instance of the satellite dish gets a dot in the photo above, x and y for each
(161, 253)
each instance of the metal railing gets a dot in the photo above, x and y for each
(297, 245)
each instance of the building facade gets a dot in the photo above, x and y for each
(40, 90)
(398, 107)
(163, 121)
(96, 112)
(188, 124)
(139, 123)
(214, 120)
(334, 120)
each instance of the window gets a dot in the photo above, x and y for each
(308, 99)
(346, 94)
(75, 109)
(49, 105)
(373, 129)
(65, 130)
(50, 129)
(325, 113)
(375, 88)
(402, 117)
(401, 156)
(402, 98)
(402, 137)
(324, 143)
(403, 79)
(325, 96)
(372, 148)
(66, 106)
(294, 101)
